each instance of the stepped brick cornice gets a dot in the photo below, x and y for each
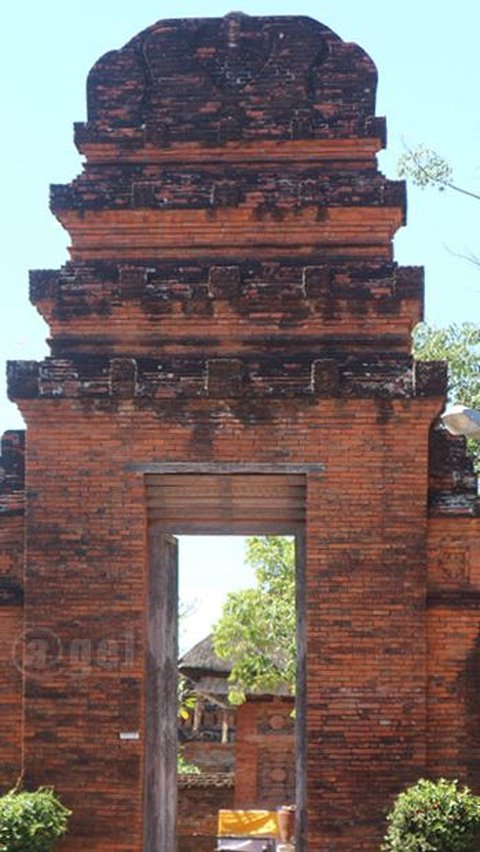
(244, 307)
(219, 136)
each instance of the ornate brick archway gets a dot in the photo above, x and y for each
(232, 299)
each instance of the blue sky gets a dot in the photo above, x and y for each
(429, 74)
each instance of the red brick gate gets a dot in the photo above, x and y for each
(232, 301)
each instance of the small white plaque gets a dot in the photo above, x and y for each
(129, 735)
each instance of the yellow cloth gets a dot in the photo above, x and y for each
(247, 823)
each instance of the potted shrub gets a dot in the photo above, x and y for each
(31, 822)
(434, 816)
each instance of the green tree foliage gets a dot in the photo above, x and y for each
(186, 701)
(256, 631)
(460, 346)
(31, 822)
(434, 816)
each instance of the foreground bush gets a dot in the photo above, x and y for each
(31, 822)
(434, 816)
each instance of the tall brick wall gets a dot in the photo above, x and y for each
(11, 600)
(453, 606)
(231, 297)
(87, 543)
(199, 800)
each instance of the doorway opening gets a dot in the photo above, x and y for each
(210, 569)
(223, 505)
(237, 672)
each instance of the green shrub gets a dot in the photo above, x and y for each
(184, 767)
(31, 822)
(434, 816)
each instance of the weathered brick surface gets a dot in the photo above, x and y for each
(10, 693)
(198, 808)
(453, 484)
(12, 474)
(261, 188)
(367, 588)
(210, 756)
(453, 647)
(212, 81)
(265, 754)
(211, 312)
(293, 303)
(11, 600)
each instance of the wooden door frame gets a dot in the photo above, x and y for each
(160, 758)
(185, 526)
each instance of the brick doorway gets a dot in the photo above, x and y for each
(208, 503)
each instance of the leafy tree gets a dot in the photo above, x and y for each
(460, 346)
(256, 631)
(434, 816)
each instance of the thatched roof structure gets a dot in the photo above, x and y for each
(202, 661)
(209, 673)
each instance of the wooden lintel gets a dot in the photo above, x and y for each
(225, 467)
